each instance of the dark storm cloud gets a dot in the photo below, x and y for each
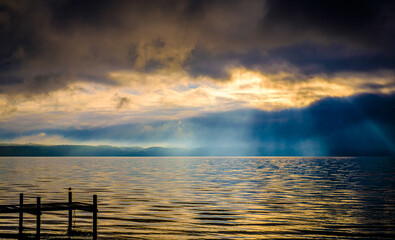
(67, 41)
(315, 36)
(367, 23)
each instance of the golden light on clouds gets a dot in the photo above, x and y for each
(276, 91)
(170, 94)
(41, 138)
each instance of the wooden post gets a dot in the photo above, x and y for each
(94, 217)
(69, 229)
(20, 214)
(38, 220)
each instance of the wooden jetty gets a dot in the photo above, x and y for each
(38, 209)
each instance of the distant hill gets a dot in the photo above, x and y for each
(112, 151)
(85, 150)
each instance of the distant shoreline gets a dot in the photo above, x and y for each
(113, 151)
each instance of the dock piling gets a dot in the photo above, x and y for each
(20, 214)
(38, 221)
(94, 230)
(70, 226)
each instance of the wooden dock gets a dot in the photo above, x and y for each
(38, 209)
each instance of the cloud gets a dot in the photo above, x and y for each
(47, 46)
(40, 138)
(362, 24)
(121, 101)
(167, 94)
(358, 125)
(144, 72)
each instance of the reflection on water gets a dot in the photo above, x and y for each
(210, 198)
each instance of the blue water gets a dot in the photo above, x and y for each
(210, 198)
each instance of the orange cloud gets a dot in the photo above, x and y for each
(175, 94)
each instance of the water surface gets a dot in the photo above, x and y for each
(210, 198)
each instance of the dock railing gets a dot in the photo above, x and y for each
(38, 209)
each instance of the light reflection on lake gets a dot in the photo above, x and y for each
(210, 198)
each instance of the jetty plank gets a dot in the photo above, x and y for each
(44, 207)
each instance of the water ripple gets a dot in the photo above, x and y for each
(210, 198)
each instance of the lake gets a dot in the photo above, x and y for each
(209, 197)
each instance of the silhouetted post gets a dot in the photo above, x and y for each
(69, 229)
(38, 221)
(94, 217)
(20, 214)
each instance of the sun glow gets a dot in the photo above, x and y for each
(168, 94)
(278, 91)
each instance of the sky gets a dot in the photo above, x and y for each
(270, 77)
